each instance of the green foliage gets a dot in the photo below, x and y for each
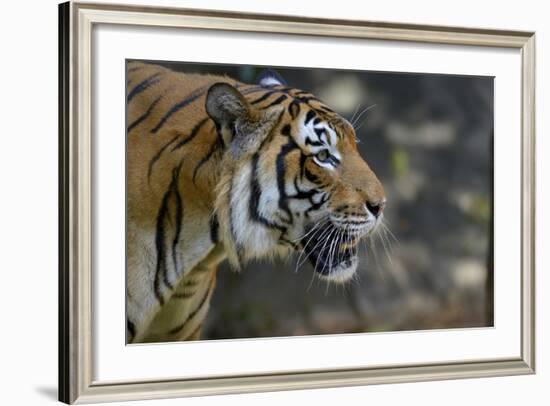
(399, 162)
(480, 209)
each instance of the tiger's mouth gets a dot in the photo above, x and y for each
(333, 253)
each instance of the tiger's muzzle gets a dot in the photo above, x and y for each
(332, 251)
(332, 248)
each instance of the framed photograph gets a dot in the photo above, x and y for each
(265, 202)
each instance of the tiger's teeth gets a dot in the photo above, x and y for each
(321, 259)
(348, 245)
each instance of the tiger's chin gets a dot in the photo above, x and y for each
(341, 273)
(333, 263)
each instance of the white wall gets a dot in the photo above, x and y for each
(28, 164)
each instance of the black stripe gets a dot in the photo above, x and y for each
(312, 177)
(219, 134)
(280, 166)
(205, 158)
(286, 241)
(276, 101)
(286, 130)
(177, 329)
(323, 135)
(140, 119)
(179, 216)
(196, 330)
(238, 247)
(188, 100)
(257, 89)
(255, 194)
(303, 158)
(309, 141)
(140, 87)
(354, 222)
(200, 269)
(191, 282)
(320, 131)
(159, 243)
(302, 194)
(326, 109)
(328, 139)
(317, 206)
(135, 69)
(271, 90)
(184, 295)
(358, 214)
(192, 135)
(309, 116)
(214, 229)
(294, 109)
(158, 154)
(131, 329)
(307, 99)
(253, 89)
(163, 218)
(262, 98)
(279, 88)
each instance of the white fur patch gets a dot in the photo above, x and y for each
(341, 273)
(256, 238)
(270, 81)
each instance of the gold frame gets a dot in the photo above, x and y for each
(76, 21)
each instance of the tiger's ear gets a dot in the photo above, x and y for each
(224, 104)
(269, 77)
(242, 127)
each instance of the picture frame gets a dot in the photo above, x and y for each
(77, 383)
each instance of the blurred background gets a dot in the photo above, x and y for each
(429, 140)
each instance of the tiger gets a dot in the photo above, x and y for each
(218, 169)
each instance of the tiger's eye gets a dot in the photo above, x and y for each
(323, 155)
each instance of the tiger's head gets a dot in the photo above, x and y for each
(291, 178)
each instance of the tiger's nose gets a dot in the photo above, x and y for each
(376, 208)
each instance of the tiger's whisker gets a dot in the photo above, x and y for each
(359, 117)
(332, 252)
(317, 262)
(323, 234)
(311, 237)
(327, 239)
(384, 245)
(323, 221)
(384, 225)
(361, 114)
(354, 113)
